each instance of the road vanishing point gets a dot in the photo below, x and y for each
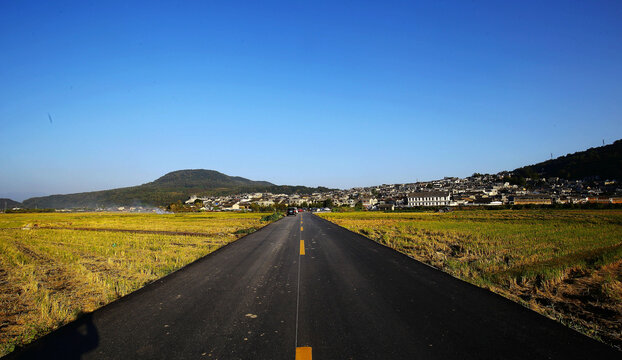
(304, 288)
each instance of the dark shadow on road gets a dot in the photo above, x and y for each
(69, 342)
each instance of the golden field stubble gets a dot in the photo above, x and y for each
(49, 276)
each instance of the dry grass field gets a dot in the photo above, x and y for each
(52, 268)
(564, 264)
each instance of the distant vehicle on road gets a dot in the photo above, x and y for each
(291, 211)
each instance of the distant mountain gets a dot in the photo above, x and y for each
(174, 186)
(204, 179)
(9, 204)
(604, 162)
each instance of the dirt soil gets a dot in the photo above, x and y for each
(12, 305)
(588, 302)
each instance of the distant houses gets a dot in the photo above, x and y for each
(532, 200)
(386, 207)
(369, 202)
(428, 198)
(605, 200)
(475, 191)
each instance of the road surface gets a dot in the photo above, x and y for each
(304, 287)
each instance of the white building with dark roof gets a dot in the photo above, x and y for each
(428, 198)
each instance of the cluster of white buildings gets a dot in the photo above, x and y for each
(429, 198)
(482, 190)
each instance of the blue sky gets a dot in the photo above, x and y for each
(296, 92)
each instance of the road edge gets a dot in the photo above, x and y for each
(82, 318)
(619, 351)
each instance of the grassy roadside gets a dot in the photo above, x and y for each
(50, 276)
(564, 264)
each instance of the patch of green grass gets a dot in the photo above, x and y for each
(272, 217)
(245, 231)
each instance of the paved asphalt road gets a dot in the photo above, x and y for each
(345, 298)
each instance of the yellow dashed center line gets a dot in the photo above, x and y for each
(303, 353)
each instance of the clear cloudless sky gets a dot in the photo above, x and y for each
(97, 95)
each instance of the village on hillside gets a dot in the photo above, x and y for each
(483, 190)
(476, 190)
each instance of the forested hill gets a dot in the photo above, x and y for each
(9, 204)
(174, 186)
(604, 162)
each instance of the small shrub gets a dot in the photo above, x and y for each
(272, 217)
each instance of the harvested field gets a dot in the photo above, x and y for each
(565, 264)
(54, 267)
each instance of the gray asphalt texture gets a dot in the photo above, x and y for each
(346, 298)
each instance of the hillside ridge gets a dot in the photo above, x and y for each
(169, 188)
(603, 162)
(6, 203)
